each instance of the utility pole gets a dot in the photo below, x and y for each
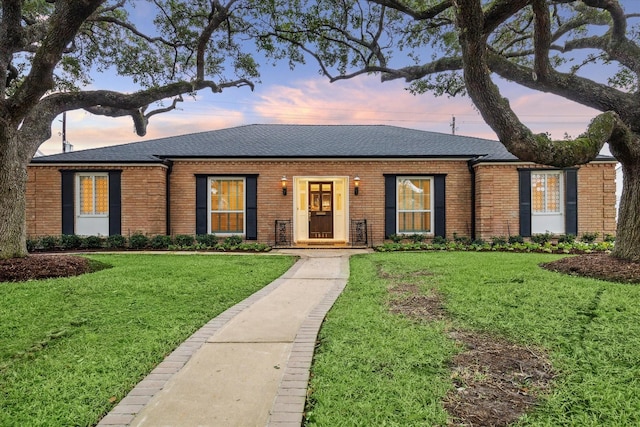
(66, 147)
(64, 132)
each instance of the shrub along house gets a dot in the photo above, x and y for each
(301, 185)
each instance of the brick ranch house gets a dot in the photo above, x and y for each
(301, 185)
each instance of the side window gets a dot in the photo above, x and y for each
(227, 205)
(414, 205)
(92, 194)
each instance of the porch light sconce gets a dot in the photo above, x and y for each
(284, 185)
(356, 185)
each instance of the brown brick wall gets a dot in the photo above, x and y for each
(369, 204)
(497, 210)
(44, 204)
(597, 199)
(143, 199)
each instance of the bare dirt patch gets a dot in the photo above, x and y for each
(42, 266)
(409, 301)
(496, 382)
(382, 273)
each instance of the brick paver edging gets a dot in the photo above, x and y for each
(127, 409)
(288, 407)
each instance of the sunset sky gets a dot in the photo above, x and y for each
(301, 96)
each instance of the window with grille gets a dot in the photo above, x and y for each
(93, 194)
(414, 205)
(227, 205)
(546, 192)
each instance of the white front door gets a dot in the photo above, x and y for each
(303, 210)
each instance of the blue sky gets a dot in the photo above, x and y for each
(302, 96)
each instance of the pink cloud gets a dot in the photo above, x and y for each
(544, 112)
(365, 100)
(362, 100)
(86, 130)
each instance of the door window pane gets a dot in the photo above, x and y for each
(326, 202)
(102, 195)
(93, 194)
(86, 195)
(546, 192)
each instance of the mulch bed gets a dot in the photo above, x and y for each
(42, 266)
(598, 266)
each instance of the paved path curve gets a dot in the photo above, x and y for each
(250, 365)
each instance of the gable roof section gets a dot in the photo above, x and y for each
(294, 141)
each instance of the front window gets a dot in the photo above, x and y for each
(93, 194)
(414, 205)
(227, 205)
(546, 192)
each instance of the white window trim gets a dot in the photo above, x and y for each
(244, 210)
(562, 203)
(93, 176)
(431, 203)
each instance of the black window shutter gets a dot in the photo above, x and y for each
(67, 202)
(389, 205)
(201, 204)
(252, 208)
(439, 202)
(115, 203)
(571, 219)
(524, 185)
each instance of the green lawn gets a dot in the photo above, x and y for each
(374, 368)
(70, 347)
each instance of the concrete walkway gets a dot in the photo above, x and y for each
(250, 365)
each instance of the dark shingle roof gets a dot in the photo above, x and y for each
(294, 141)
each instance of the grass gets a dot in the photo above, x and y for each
(375, 368)
(70, 348)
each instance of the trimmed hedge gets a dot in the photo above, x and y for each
(140, 241)
(537, 243)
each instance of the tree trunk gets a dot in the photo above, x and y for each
(13, 187)
(628, 232)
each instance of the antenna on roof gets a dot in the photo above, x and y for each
(66, 146)
(453, 125)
